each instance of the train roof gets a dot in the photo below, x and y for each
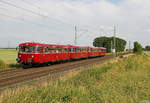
(40, 44)
(55, 45)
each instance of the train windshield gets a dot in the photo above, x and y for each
(26, 49)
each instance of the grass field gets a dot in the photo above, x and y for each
(7, 58)
(123, 80)
(8, 55)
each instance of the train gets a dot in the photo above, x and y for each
(31, 53)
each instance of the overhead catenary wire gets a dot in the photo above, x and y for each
(33, 5)
(81, 34)
(38, 14)
(41, 15)
(33, 12)
(103, 31)
(41, 9)
(28, 10)
(24, 20)
(21, 19)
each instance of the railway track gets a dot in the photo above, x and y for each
(14, 76)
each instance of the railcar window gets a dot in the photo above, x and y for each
(103, 50)
(59, 50)
(78, 49)
(66, 50)
(46, 50)
(90, 49)
(52, 50)
(26, 49)
(38, 49)
(63, 50)
(71, 50)
(85, 50)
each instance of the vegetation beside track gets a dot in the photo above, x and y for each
(125, 81)
(3, 65)
(8, 55)
(8, 58)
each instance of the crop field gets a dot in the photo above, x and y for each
(7, 57)
(123, 80)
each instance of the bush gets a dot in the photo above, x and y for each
(137, 48)
(3, 64)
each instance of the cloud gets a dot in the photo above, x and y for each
(131, 18)
(147, 30)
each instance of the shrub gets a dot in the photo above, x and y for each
(137, 48)
(3, 64)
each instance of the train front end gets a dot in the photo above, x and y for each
(29, 53)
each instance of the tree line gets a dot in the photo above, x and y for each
(120, 44)
(108, 43)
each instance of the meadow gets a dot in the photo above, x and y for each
(122, 80)
(7, 58)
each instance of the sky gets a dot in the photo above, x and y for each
(54, 21)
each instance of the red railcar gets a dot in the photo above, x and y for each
(37, 53)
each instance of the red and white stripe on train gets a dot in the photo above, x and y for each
(37, 53)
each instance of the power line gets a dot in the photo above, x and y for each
(23, 20)
(104, 31)
(20, 19)
(27, 10)
(31, 4)
(82, 33)
(40, 8)
(30, 11)
(35, 13)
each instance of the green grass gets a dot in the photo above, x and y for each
(8, 55)
(125, 81)
(8, 58)
(3, 65)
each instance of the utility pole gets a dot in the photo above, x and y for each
(75, 40)
(114, 49)
(129, 45)
(111, 46)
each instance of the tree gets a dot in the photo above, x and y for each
(108, 42)
(147, 48)
(137, 48)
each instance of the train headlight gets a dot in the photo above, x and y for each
(32, 56)
(19, 55)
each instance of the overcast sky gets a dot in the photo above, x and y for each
(53, 21)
